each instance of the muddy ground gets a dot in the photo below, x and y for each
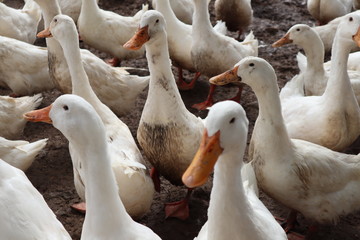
(52, 175)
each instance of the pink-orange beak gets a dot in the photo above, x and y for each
(138, 40)
(40, 115)
(204, 161)
(226, 77)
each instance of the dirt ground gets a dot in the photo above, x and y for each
(52, 175)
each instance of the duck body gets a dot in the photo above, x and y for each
(20, 154)
(220, 52)
(168, 133)
(325, 11)
(115, 87)
(20, 24)
(97, 26)
(11, 114)
(303, 176)
(126, 160)
(22, 76)
(30, 217)
(235, 211)
(237, 14)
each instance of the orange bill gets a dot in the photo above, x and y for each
(356, 37)
(282, 41)
(139, 39)
(204, 161)
(40, 115)
(226, 77)
(44, 33)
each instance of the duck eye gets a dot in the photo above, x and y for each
(251, 64)
(55, 20)
(232, 120)
(157, 20)
(350, 19)
(65, 107)
(298, 29)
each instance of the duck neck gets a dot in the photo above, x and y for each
(163, 91)
(164, 7)
(79, 79)
(90, 7)
(228, 202)
(315, 63)
(270, 126)
(338, 86)
(103, 204)
(201, 17)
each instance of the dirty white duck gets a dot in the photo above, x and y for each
(24, 67)
(332, 119)
(20, 154)
(303, 176)
(97, 26)
(106, 216)
(136, 188)
(237, 14)
(115, 87)
(213, 53)
(325, 11)
(313, 73)
(235, 211)
(24, 213)
(168, 133)
(12, 123)
(327, 33)
(20, 24)
(179, 37)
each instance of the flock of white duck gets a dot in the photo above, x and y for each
(294, 152)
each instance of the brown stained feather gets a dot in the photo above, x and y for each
(161, 148)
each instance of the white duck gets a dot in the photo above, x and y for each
(20, 24)
(24, 213)
(303, 176)
(97, 26)
(179, 37)
(312, 69)
(325, 11)
(20, 154)
(213, 53)
(114, 86)
(237, 14)
(168, 133)
(332, 119)
(327, 33)
(136, 187)
(12, 123)
(235, 211)
(106, 217)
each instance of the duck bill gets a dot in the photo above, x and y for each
(44, 33)
(204, 161)
(282, 41)
(40, 115)
(139, 39)
(226, 77)
(356, 37)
